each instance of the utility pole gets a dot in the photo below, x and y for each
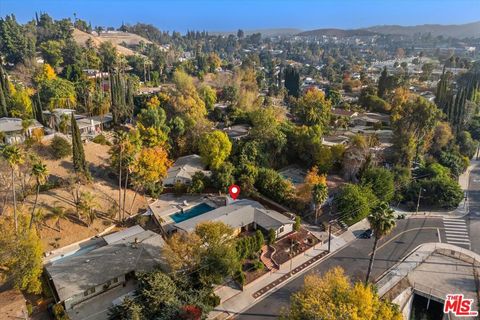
(418, 201)
(329, 235)
(291, 255)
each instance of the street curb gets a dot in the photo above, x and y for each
(293, 277)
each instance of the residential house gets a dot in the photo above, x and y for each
(335, 140)
(88, 126)
(183, 170)
(87, 273)
(14, 132)
(242, 215)
(371, 119)
(238, 131)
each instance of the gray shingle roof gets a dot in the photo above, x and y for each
(76, 274)
(238, 214)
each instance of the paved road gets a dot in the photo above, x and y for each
(473, 218)
(354, 259)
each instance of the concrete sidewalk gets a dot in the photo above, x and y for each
(245, 299)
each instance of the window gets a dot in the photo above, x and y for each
(115, 280)
(280, 230)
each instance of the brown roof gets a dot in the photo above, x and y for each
(12, 305)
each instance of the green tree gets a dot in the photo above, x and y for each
(272, 184)
(214, 148)
(52, 52)
(57, 93)
(16, 44)
(382, 222)
(198, 183)
(354, 203)
(209, 96)
(313, 108)
(14, 157)
(223, 177)
(292, 81)
(79, 164)
(40, 172)
(218, 257)
(380, 180)
(108, 56)
(466, 144)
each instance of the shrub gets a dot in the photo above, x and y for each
(60, 147)
(100, 139)
(258, 265)
(260, 239)
(239, 276)
(142, 220)
(271, 236)
(297, 224)
(59, 312)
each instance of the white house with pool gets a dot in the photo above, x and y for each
(241, 215)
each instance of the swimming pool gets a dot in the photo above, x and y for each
(192, 212)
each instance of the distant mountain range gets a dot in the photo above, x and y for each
(336, 33)
(457, 31)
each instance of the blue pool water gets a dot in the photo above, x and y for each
(190, 213)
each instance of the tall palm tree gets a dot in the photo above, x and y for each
(40, 172)
(88, 206)
(58, 213)
(382, 221)
(14, 157)
(319, 196)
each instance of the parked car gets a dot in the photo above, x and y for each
(367, 234)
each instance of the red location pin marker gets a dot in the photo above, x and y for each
(234, 191)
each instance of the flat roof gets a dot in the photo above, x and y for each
(15, 124)
(140, 252)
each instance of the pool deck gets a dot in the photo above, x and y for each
(169, 204)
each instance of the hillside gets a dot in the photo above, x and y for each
(456, 31)
(118, 38)
(336, 33)
(81, 37)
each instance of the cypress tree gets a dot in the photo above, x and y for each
(79, 163)
(382, 82)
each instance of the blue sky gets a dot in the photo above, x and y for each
(227, 15)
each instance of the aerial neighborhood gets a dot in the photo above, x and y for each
(322, 174)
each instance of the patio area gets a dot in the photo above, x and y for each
(292, 245)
